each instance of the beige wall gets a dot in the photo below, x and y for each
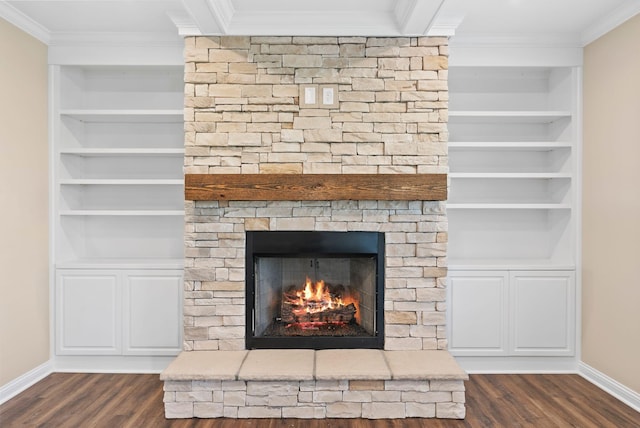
(611, 207)
(24, 280)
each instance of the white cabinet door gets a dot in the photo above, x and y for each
(153, 312)
(542, 313)
(88, 317)
(478, 315)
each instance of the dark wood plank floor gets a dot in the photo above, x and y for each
(120, 400)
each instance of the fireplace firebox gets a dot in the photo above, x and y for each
(314, 290)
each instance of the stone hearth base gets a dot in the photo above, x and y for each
(349, 383)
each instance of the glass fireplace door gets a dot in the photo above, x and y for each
(318, 296)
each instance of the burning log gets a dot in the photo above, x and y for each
(316, 304)
(293, 314)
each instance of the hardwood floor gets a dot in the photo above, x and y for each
(122, 400)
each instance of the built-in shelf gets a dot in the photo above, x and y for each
(122, 213)
(512, 167)
(481, 116)
(119, 148)
(508, 206)
(85, 151)
(121, 182)
(507, 175)
(117, 115)
(123, 263)
(509, 145)
(510, 264)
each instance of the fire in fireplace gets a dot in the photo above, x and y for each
(315, 290)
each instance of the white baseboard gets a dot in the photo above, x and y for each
(609, 385)
(111, 364)
(509, 365)
(23, 382)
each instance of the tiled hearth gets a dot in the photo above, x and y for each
(243, 116)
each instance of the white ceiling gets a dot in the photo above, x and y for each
(567, 22)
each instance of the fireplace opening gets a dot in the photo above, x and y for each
(315, 290)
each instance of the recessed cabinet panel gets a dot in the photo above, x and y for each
(517, 313)
(87, 313)
(153, 317)
(478, 321)
(543, 312)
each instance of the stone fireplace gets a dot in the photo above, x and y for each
(364, 166)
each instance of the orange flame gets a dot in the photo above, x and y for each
(316, 297)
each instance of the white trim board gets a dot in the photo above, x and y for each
(111, 364)
(516, 364)
(610, 386)
(24, 381)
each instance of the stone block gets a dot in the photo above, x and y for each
(450, 410)
(193, 396)
(178, 410)
(304, 412)
(367, 84)
(301, 61)
(458, 397)
(447, 385)
(420, 410)
(259, 412)
(234, 398)
(378, 410)
(426, 397)
(208, 410)
(403, 344)
(386, 396)
(311, 123)
(357, 396)
(268, 388)
(366, 385)
(344, 410)
(327, 396)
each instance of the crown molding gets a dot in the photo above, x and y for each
(205, 20)
(622, 13)
(416, 17)
(23, 22)
(184, 22)
(484, 40)
(223, 12)
(115, 39)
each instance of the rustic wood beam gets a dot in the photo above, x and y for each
(315, 187)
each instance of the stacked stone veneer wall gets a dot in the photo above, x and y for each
(242, 115)
(369, 399)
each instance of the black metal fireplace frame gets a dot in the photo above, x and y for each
(313, 244)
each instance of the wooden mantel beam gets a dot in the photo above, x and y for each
(315, 187)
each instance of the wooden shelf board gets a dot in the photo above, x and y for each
(315, 187)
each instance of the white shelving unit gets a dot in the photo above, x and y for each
(512, 166)
(119, 206)
(512, 208)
